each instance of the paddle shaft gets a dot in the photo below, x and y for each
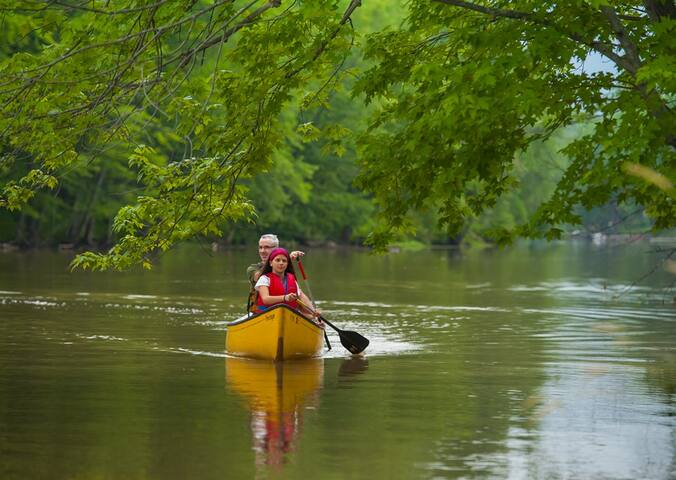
(309, 294)
(320, 316)
(352, 341)
(323, 319)
(307, 285)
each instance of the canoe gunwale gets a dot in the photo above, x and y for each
(281, 305)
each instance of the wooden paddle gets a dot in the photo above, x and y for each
(352, 341)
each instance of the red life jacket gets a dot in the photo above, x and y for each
(277, 288)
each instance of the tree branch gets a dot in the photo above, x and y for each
(123, 11)
(494, 12)
(600, 47)
(157, 30)
(218, 37)
(657, 9)
(622, 36)
(354, 4)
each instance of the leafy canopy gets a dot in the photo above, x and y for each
(196, 96)
(465, 86)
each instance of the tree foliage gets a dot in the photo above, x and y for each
(108, 74)
(174, 107)
(465, 86)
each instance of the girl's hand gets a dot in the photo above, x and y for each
(290, 297)
(296, 254)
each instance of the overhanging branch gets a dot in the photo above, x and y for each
(602, 48)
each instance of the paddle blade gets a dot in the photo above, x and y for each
(353, 342)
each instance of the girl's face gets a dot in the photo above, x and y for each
(279, 264)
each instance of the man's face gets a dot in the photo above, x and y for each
(264, 247)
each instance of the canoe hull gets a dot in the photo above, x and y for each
(279, 333)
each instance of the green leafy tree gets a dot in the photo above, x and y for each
(465, 86)
(332, 209)
(102, 66)
(201, 97)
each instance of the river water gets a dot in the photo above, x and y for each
(538, 361)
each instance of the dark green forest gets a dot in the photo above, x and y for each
(139, 124)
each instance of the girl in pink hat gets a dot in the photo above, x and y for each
(277, 284)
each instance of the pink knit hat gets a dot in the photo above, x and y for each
(278, 251)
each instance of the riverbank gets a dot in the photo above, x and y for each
(598, 239)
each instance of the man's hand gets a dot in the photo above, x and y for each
(296, 254)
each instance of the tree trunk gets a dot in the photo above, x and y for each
(85, 228)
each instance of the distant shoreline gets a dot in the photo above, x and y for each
(594, 238)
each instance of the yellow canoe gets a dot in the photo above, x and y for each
(280, 333)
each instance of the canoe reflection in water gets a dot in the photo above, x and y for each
(276, 393)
